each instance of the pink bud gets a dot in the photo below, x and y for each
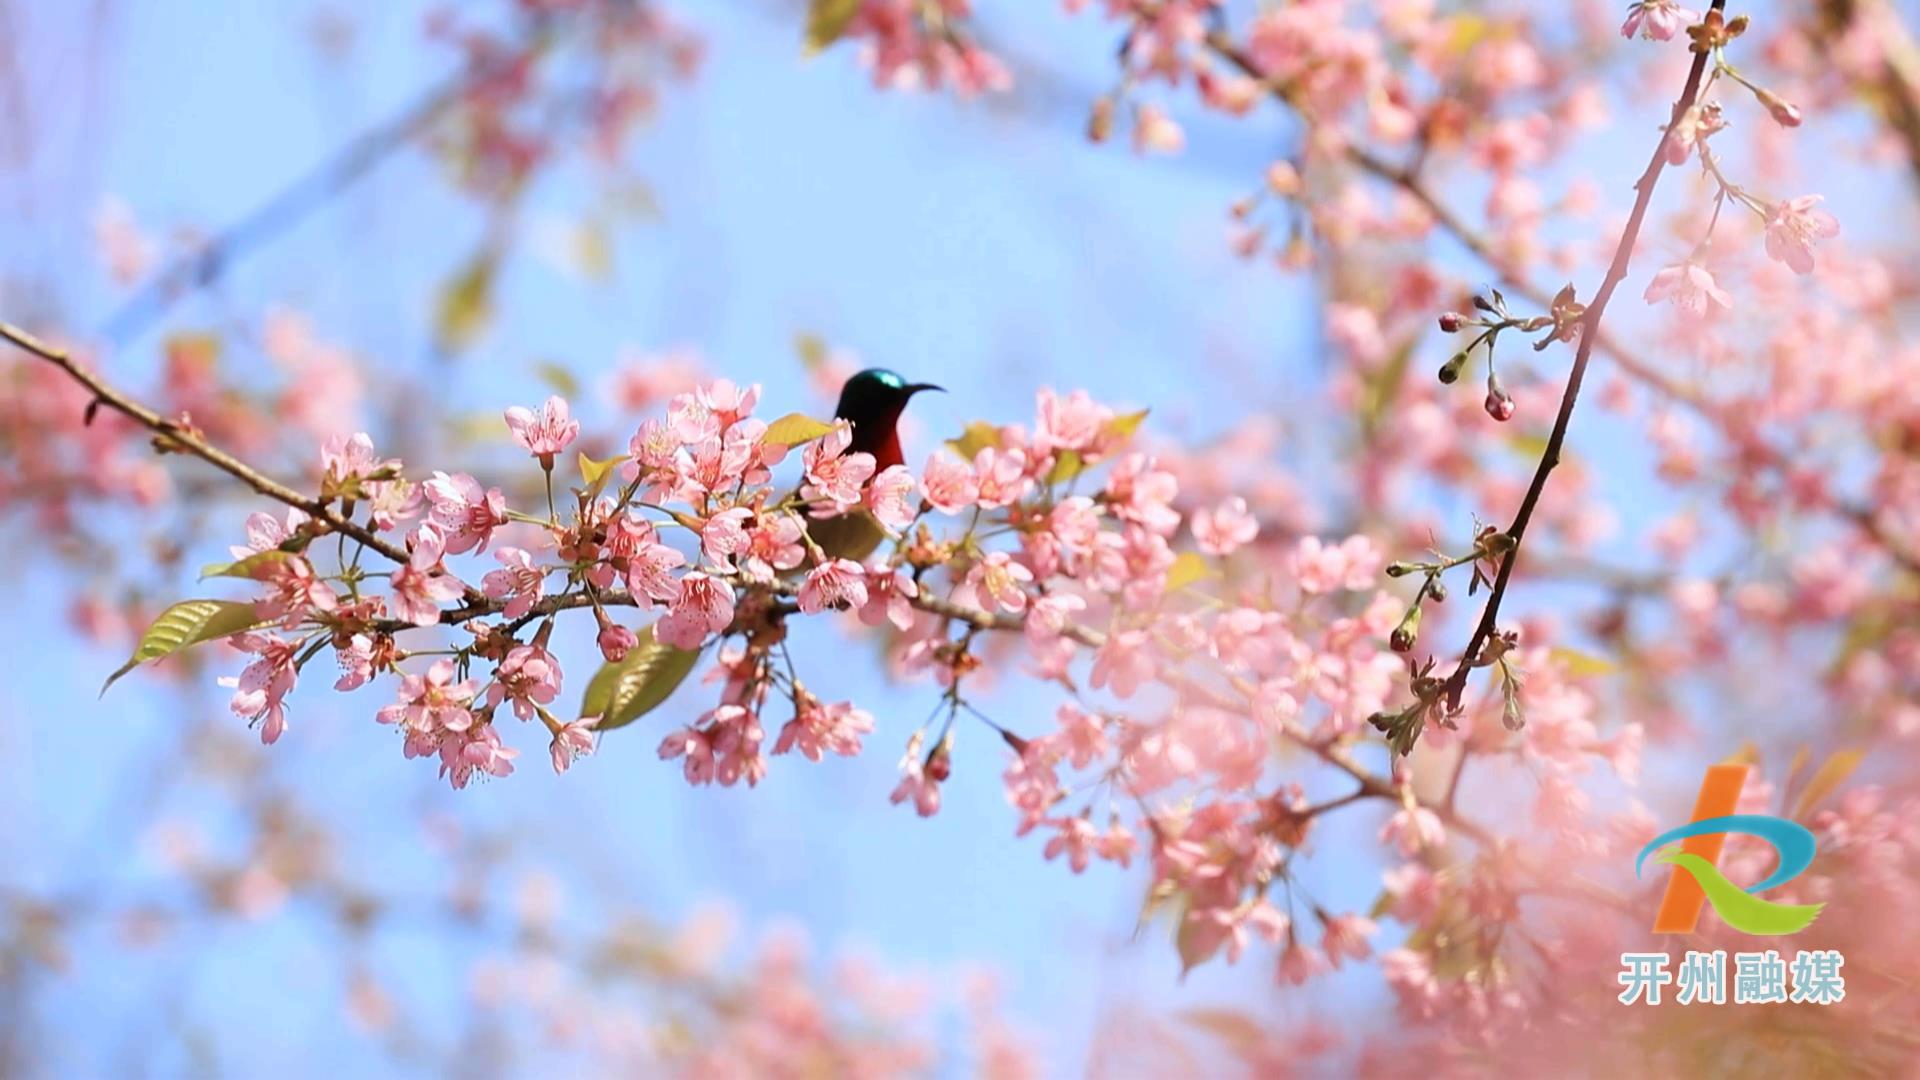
(1499, 405)
(1450, 322)
(615, 640)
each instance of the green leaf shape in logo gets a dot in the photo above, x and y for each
(1741, 910)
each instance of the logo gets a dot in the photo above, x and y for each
(1697, 880)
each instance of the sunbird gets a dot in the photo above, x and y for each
(873, 401)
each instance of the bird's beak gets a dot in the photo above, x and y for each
(914, 388)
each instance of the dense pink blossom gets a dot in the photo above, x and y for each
(518, 581)
(423, 584)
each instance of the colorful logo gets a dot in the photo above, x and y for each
(1697, 879)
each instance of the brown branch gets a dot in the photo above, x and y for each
(202, 267)
(176, 437)
(1589, 335)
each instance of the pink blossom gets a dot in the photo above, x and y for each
(949, 485)
(1656, 20)
(1075, 422)
(817, 730)
(1225, 528)
(725, 535)
(692, 744)
(423, 584)
(1049, 616)
(1355, 564)
(123, 248)
(1414, 829)
(266, 532)
(356, 663)
(915, 784)
(838, 584)
(615, 642)
(1002, 475)
(478, 750)
(529, 677)
(1346, 935)
(545, 433)
(887, 497)
(1000, 581)
(704, 606)
(1139, 491)
(774, 546)
(572, 742)
(1794, 226)
(1075, 839)
(1298, 963)
(1123, 663)
(465, 512)
(432, 704)
(293, 591)
(518, 580)
(728, 402)
(1689, 286)
(832, 473)
(261, 690)
(890, 597)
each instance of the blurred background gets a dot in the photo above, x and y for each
(325, 906)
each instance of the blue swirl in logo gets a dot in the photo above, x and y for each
(1790, 840)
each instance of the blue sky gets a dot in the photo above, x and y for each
(987, 248)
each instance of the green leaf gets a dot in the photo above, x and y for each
(1832, 773)
(188, 622)
(1066, 466)
(812, 349)
(626, 690)
(596, 473)
(249, 567)
(1196, 943)
(794, 429)
(827, 20)
(558, 378)
(978, 436)
(1579, 665)
(1188, 568)
(1123, 427)
(465, 305)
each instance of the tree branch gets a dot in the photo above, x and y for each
(174, 436)
(1589, 335)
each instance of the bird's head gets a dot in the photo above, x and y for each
(873, 400)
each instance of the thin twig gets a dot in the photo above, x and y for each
(173, 436)
(1589, 335)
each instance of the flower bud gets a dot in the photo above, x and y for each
(1450, 322)
(1407, 632)
(1400, 569)
(1784, 112)
(1100, 121)
(1283, 179)
(1437, 591)
(1499, 405)
(615, 641)
(1450, 371)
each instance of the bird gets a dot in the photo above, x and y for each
(872, 401)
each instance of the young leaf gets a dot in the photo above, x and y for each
(827, 20)
(794, 429)
(249, 567)
(558, 378)
(1187, 568)
(1579, 664)
(624, 691)
(596, 473)
(1123, 427)
(188, 622)
(978, 436)
(465, 305)
(1066, 466)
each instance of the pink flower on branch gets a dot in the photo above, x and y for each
(1688, 286)
(465, 512)
(545, 433)
(1656, 20)
(838, 584)
(1794, 226)
(704, 606)
(261, 690)
(518, 581)
(423, 584)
